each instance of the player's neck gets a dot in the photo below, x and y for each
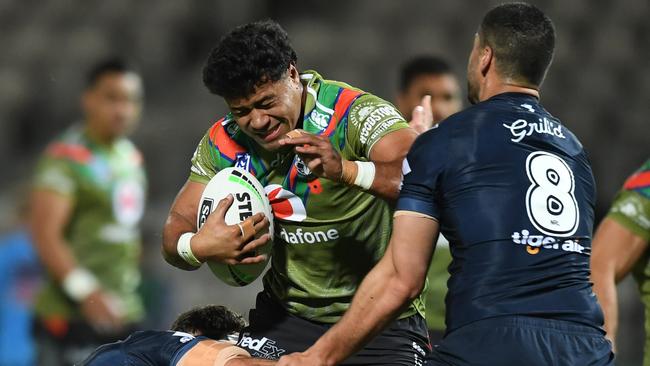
(98, 137)
(495, 86)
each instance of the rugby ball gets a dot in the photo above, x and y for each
(249, 199)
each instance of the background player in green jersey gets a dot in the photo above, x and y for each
(620, 247)
(323, 182)
(87, 200)
(427, 84)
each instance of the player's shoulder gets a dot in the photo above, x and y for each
(222, 132)
(369, 107)
(69, 146)
(315, 81)
(639, 181)
(432, 143)
(129, 151)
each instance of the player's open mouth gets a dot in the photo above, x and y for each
(272, 134)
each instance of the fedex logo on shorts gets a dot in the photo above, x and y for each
(262, 348)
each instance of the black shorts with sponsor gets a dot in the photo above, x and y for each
(273, 333)
(523, 340)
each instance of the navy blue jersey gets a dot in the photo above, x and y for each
(514, 194)
(146, 348)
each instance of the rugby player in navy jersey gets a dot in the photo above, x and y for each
(201, 336)
(512, 190)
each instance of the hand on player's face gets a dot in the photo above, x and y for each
(271, 111)
(422, 117)
(225, 243)
(317, 152)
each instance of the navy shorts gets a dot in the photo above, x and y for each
(274, 333)
(522, 340)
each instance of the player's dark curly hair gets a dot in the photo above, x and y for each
(247, 57)
(212, 321)
(522, 38)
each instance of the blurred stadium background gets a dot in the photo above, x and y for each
(599, 85)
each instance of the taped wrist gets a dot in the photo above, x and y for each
(79, 284)
(184, 250)
(358, 173)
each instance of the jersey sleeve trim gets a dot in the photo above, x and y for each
(198, 178)
(399, 213)
(632, 210)
(397, 127)
(417, 206)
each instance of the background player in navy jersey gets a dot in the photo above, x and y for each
(201, 336)
(512, 190)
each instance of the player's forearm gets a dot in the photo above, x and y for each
(388, 177)
(54, 253)
(605, 290)
(377, 302)
(249, 362)
(175, 226)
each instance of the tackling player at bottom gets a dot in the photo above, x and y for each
(202, 336)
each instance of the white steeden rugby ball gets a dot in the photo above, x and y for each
(249, 199)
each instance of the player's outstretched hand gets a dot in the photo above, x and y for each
(103, 311)
(230, 244)
(317, 152)
(422, 115)
(300, 359)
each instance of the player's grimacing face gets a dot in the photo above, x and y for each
(113, 104)
(443, 89)
(271, 111)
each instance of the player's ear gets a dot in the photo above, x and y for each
(486, 59)
(293, 73)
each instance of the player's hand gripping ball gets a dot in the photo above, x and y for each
(249, 199)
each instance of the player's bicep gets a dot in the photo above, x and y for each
(616, 249)
(49, 212)
(55, 175)
(411, 246)
(186, 203)
(393, 147)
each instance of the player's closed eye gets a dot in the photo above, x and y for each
(240, 112)
(266, 105)
(448, 97)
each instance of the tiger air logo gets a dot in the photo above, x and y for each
(286, 205)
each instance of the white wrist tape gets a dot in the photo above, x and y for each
(185, 250)
(79, 283)
(365, 174)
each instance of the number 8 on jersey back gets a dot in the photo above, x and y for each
(249, 199)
